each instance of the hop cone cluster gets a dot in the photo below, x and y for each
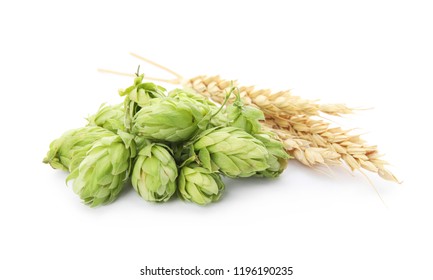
(166, 143)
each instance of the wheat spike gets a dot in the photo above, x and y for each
(330, 146)
(311, 141)
(281, 104)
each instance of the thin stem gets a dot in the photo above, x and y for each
(225, 101)
(138, 71)
(174, 82)
(157, 65)
(116, 72)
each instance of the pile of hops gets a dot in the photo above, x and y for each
(166, 143)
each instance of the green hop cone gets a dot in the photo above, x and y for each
(169, 120)
(232, 151)
(154, 173)
(199, 185)
(109, 117)
(278, 158)
(244, 117)
(67, 152)
(138, 96)
(101, 175)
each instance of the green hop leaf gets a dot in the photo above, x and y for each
(154, 173)
(199, 185)
(141, 93)
(67, 152)
(232, 151)
(101, 175)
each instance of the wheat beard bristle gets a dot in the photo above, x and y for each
(309, 140)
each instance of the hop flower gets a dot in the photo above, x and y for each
(67, 152)
(101, 175)
(169, 120)
(154, 173)
(232, 151)
(278, 157)
(109, 117)
(199, 185)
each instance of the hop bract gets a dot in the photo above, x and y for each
(232, 151)
(199, 185)
(154, 173)
(278, 158)
(69, 150)
(101, 175)
(168, 120)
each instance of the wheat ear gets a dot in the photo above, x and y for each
(311, 141)
(281, 104)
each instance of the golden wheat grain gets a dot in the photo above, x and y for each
(303, 149)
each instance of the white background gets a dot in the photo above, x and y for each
(367, 54)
